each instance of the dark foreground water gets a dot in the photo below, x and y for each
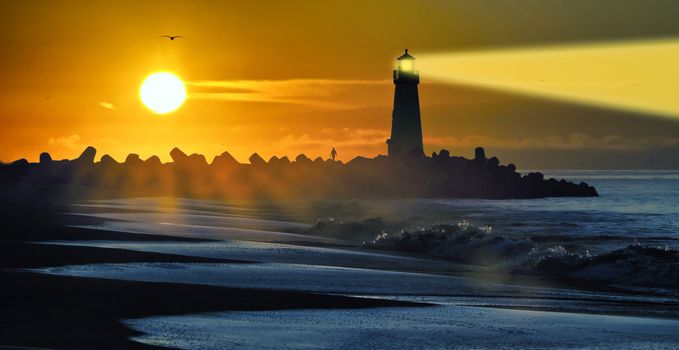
(627, 238)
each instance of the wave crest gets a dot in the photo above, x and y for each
(461, 242)
(635, 265)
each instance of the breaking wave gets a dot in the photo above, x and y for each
(635, 265)
(460, 242)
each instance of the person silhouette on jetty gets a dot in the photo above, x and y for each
(333, 154)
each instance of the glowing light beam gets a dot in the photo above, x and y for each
(640, 76)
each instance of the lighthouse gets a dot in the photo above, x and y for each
(406, 125)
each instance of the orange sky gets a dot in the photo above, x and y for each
(284, 77)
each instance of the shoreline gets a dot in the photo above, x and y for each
(76, 312)
(96, 306)
(43, 310)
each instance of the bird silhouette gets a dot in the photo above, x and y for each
(172, 37)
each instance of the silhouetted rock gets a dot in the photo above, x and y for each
(277, 162)
(197, 160)
(256, 159)
(45, 158)
(302, 159)
(273, 160)
(493, 162)
(133, 159)
(20, 162)
(107, 160)
(88, 155)
(442, 157)
(153, 161)
(412, 176)
(359, 160)
(535, 177)
(178, 156)
(225, 160)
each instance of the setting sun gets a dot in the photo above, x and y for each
(162, 92)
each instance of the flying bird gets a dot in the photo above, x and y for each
(172, 37)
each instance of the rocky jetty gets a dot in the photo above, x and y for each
(413, 176)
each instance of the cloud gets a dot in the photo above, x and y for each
(574, 141)
(74, 143)
(311, 92)
(107, 105)
(336, 138)
(71, 142)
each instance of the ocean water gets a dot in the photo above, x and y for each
(626, 239)
(636, 204)
(627, 236)
(631, 206)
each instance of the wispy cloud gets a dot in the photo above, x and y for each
(71, 142)
(571, 142)
(71, 145)
(107, 105)
(312, 92)
(335, 137)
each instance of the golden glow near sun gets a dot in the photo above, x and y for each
(162, 92)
